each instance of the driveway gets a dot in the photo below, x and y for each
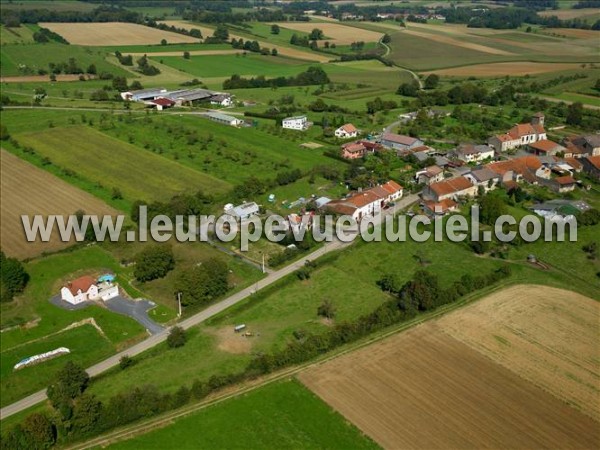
(137, 310)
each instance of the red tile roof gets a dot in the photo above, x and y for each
(362, 199)
(595, 161)
(451, 186)
(392, 187)
(442, 206)
(353, 147)
(349, 128)
(567, 179)
(82, 283)
(544, 145)
(163, 101)
(399, 138)
(525, 129)
(517, 165)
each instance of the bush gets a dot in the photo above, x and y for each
(154, 262)
(126, 361)
(13, 278)
(177, 337)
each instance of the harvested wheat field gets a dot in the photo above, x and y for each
(282, 50)
(114, 33)
(548, 336)
(464, 44)
(566, 14)
(520, 68)
(335, 32)
(28, 190)
(43, 78)
(574, 33)
(425, 388)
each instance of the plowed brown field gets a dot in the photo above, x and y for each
(426, 389)
(28, 190)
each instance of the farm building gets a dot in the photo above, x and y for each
(346, 131)
(400, 142)
(160, 103)
(143, 94)
(243, 211)
(520, 134)
(545, 147)
(224, 119)
(295, 123)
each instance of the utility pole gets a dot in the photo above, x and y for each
(179, 302)
(263, 263)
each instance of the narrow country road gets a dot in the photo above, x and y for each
(203, 315)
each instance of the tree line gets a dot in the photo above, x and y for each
(313, 75)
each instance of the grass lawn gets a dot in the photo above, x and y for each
(111, 162)
(47, 275)
(86, 344)
(280, 415)
(226, 65)
(38, 56)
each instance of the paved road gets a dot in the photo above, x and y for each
(202, 316)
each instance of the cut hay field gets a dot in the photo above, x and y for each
(517, 68)
(558, 350)
(566, 14)
(450, 394)
(283, 50)
(335, 32)
(29, 190)
(139, 174)
(113, 33)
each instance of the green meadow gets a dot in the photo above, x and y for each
(280, 415)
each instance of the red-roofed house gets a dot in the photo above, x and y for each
(564, 184)
(431, 174)
(161, 103)
(79, 290)
(346, 131)
(452, 189)
(520, 134)
(353, 150)
(368, 202)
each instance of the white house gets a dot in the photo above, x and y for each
(367, 203)
(221, 100)
(474, 153)
(521, 134)
(346, 131)
(79, 290)
(295, 123)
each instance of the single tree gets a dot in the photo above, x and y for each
(176, 337)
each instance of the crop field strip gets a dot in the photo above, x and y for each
(335, 32)
(448, 393)
(114, 33)
(29, 190)
(139, 174)
(290, 51)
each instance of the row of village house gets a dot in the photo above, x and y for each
(532, 136)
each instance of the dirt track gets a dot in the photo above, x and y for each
(425, 389)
